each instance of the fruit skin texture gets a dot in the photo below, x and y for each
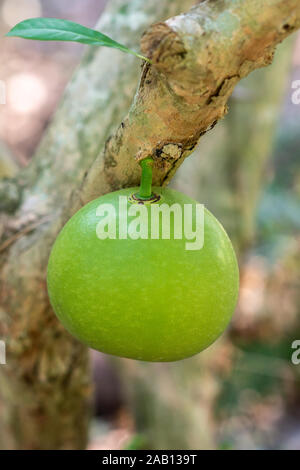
(144, 299)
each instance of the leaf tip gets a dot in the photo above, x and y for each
(11, 32)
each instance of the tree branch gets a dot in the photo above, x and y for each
(198, 58)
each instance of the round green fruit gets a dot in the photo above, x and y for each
(146, 298)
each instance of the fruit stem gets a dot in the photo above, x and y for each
(145, 191)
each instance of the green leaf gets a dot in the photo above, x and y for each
(53, 29)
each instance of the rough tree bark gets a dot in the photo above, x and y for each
(198, 58)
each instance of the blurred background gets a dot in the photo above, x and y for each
(242, 393)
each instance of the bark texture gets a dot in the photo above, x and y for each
(198, 58)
